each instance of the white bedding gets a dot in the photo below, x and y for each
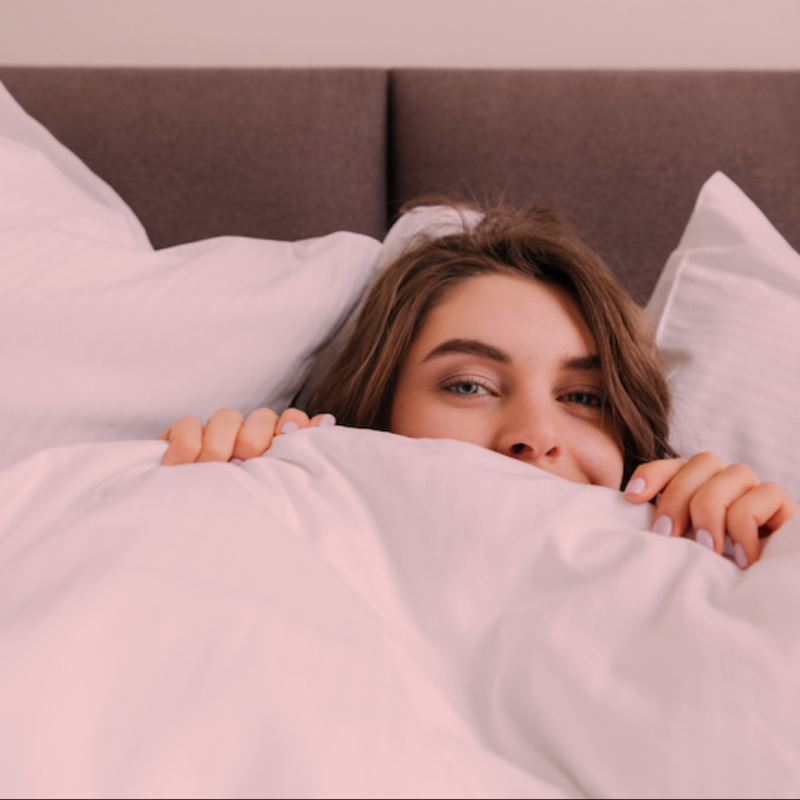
(359, 614)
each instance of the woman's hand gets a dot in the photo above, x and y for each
(226, 434)
(716, 500)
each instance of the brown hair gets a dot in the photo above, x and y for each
(530, 242)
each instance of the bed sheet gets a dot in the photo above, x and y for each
(361, 614)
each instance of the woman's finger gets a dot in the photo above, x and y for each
(709, 506)
(764, 506)
(299, 418)
(323, 420)
(255, 436)
(219, 436)
(649, 479)
(185, 439)
(291, 420)
(672, 514)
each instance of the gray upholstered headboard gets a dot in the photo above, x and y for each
(281, 154)
(294, 153)
(623, 153)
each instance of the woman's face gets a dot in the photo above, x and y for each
(509, 364)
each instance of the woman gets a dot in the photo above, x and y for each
(560, 368)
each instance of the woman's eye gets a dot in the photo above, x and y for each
(465, 388)
(589, 399)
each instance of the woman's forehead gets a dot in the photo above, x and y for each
(509, 313)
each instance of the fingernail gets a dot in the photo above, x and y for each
(704, 538)
(728, 551)
(662, 526)
(740, 557)
(289, 427)
(636, 486)
(327, 420)
(236, 461)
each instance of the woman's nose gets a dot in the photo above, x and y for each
(533, 437)
(534, 453)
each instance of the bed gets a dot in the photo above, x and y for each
(357, 614)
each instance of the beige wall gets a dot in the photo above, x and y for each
(713, 34)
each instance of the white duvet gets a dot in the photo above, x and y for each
(362, 614)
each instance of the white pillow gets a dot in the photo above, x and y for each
(103, 338)
(72, 177)
(726, 311)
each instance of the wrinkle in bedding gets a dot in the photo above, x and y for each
(361, 614)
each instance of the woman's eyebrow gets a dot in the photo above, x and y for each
(473, 347)
(470, 347)
(580, 363)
